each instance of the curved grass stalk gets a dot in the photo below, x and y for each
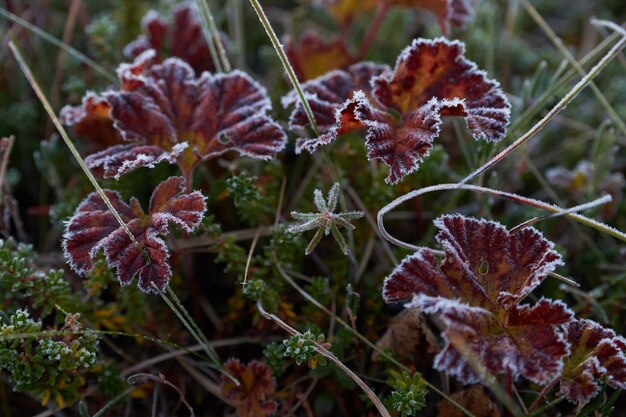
(502, 194)
(57, 42)
(330, 356)
(606, 59)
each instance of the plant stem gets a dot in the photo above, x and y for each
(543, 394)
(72, 51)
(55, 120)
(552, 113)
(370, 35)
(330, 356)
(285, 62)
(213, 38)
(509, 196)
(113, 401)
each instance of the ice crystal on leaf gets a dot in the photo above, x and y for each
(256, 386)
(163, 112)
(325, 220)
(180, 36)
(93, 228)
(476, 291)
(597, 354)
(402, 110)
(312, 55)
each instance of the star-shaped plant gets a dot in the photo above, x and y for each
(326, 220)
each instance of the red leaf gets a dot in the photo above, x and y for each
(485, 266)
(329, 97)
(91, 120)
(431, 79)
(165, 113)
(256, 386)
(478, 342)
(180, 36)
(476, 290)
(93, 228)
(596, 354)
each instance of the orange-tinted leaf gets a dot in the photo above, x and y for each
(597, 354)
(330, 99)
(165, 113)
(252, 397)
(94, 227)
(476, 290)
(312, 56)
(402, 110)
(91, 120)
(474, 399)
(180, 36)
(437, 69)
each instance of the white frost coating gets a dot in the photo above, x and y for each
(540, 270)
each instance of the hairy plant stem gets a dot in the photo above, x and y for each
(66, 138)
(213, 38)
(608, 57)
(330, 356)
(72, 51)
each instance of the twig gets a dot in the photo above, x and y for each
(140, 379)
(330, 356)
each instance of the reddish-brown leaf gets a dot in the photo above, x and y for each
(180, 35)
(521, 341)
(402, 110)
(164, 113)
(457, 13)
(252, 397)
(597, 354)
(91, 120)
(312, 56)
(94, 228)
(476, 290)
(330, 99)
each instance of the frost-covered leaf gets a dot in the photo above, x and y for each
(252, 397)
(521, 341)
(596, 354)
(91, 120)
(485, 266)
(476, 290)
(94, 227)
(402, 110)
(330, 99)
(165, 113)
(179, 35)
(312, 56)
